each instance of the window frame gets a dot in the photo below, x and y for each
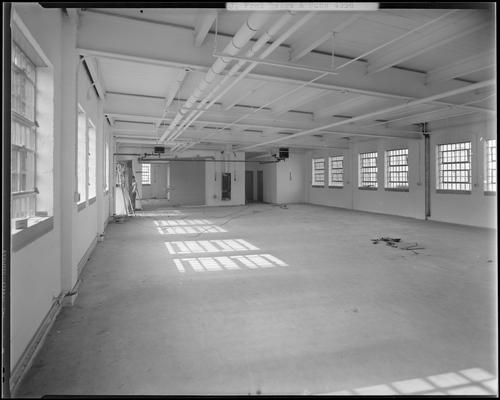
(318, 171)
(81, 157)
(337, 184)
(91, 161)
(398, 168)
(148, 183)
(487, 185)
(25, 198)
(363, 170)
(453, 162)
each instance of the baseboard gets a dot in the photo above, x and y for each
(34, 346)
(70, 297)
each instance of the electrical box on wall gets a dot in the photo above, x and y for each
(283, 152)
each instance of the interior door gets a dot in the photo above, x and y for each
(249, 186)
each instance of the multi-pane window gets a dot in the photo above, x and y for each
(318, 172)
(336, 176)
(92, 159)
(146, 174)
(23, 140)
(490, 176)
(454, 166)
(82, 156)
(396, 169)
(368, 170)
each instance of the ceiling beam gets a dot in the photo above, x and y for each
(261, 77)
(428, 99)
(428, 116)
(462, 67)
(437, 34)
(319, 35)
(93, 68)
(203, 24)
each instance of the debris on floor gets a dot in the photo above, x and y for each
(397, 243)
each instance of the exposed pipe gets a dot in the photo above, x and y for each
(428, 99)
(254, 23)
(264, 54)
(266, 36)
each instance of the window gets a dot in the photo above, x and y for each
(92, 159)
(146, 174)
(318, 172)
(82, 156)
(490, 176)
(106, 164)
(368, 170)
(454, 166)
(23, 140)
(336, 176)
(396, 169)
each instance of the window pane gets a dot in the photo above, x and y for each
(82, 156)
(146, 174)
(336, 175)
(368, 170)
(92, 159)
(318, 171)
(454, 168)
(396, 169)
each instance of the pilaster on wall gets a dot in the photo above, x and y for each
(69, 65)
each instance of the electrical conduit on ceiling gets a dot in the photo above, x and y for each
(264, 54)
(254, 23)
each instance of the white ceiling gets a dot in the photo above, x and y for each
(145, 53)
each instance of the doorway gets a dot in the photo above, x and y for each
(249, 186)
(260, 186)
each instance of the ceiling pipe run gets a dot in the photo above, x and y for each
(263, 55)
(266, 36)
(253, 24)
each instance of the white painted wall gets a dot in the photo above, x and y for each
(36, 268)
(47, 267)
(476, 208)
(290, 179)
(212, 173)
(408, 204)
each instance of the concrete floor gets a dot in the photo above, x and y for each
(343, 316)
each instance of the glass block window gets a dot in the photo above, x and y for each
(318, 172)
(454, 166)
(336, 173)
(396, 169)
(490, 176)
(146, 174)
(23, 135)
(368, 170)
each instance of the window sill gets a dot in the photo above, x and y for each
(318, 186)
(81, 206)
(146, 184)
(92, 200)
(441, 191)
(397, 189)
(335, 187)
(367, 188)
(37, 227)
(490, 193)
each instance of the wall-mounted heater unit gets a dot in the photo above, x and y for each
(283, 152)
(159, 149)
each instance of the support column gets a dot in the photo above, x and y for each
(69, 64)
(427, 166)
